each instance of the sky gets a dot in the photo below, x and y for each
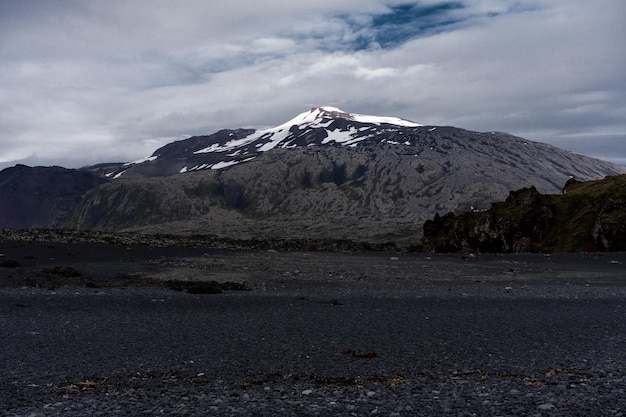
(87, 81)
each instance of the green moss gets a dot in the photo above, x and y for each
(578, 210)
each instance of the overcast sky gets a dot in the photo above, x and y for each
(86, 81)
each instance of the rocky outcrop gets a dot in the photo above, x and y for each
(609, 227)
(587, 216)
(512, 226)
(205, 287)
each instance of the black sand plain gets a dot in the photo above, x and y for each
(91, 329)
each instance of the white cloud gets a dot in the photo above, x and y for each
(88, 82)
(368, 74)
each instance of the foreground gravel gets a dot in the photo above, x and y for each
(76, 351)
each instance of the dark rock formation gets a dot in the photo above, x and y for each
(588, 216)
(10, 263)
(525, 217)
(609, 228)
(63, 271)
(205, 287)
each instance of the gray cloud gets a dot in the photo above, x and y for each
(86, 82)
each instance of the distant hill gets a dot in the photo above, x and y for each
(587, 216)
(41, 197)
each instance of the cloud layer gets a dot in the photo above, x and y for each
(86, 82)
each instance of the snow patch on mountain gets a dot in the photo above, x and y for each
(228, 146)
(119, 174)
(333, 112)
(344, 137)
(142, 160)
(218, 165)
(226, 164)
(317, 117)
(318, 126)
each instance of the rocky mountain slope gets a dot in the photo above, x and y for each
(41, 196)
(325, 173)
(587, 216)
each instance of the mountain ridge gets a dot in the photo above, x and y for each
(323, 125)
(228, 147)
(324, 173)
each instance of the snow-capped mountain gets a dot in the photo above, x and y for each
(319, 126)
(325, 173)
(331, 125)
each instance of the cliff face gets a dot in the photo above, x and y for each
(510, 226)
(609, 227)
(588, 216)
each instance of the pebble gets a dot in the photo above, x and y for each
(295, 398)
(569, 388)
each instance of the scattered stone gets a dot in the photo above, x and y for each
(10, 263)
(195, 287)
(234, 286)
(205, 287)
(64, 271)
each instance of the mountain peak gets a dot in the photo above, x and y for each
(324, 113)
(332, 112)
(316, 126)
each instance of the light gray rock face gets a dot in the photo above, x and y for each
(327, 175)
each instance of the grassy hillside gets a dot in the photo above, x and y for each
(590, 216)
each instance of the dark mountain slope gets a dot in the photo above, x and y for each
(41, 197)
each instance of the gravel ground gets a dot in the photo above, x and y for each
(319, 334)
